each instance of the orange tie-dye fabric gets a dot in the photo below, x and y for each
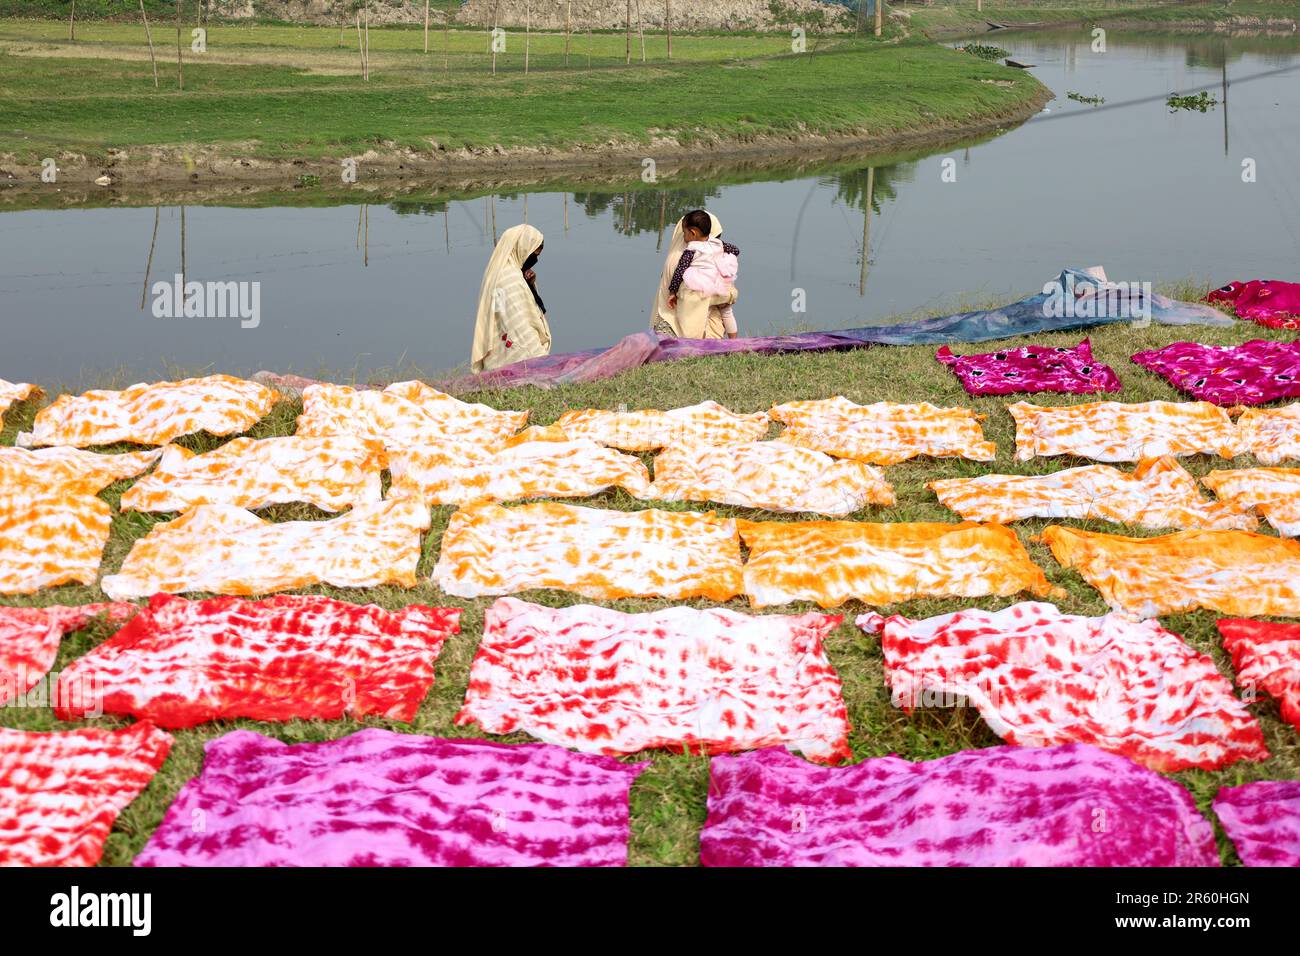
(883, 433)
(1273, 493)
(152, 414)
(1159, 493)
(13, 392)
(831, 562)
(491, 550)
(51, 539)
(67, 470)
(651, 428)
(1114, 431)
(1232, 572)
(222, 549)
(330, 473)
(405, 413)
(769, 475)
(1271, 434)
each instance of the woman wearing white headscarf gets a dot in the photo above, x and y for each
(511, 324)
(694, 317)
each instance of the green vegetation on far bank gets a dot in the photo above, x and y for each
(960, 19)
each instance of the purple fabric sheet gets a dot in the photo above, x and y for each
(1032, 368)
(1249, 374)
(1072, 805)
(377, 798)
(1263, 821)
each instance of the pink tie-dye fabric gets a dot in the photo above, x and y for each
(1266, 301)
(1263, 821)
(1250, 374)
(1001, 806)
(1032, 368)
(376, 798)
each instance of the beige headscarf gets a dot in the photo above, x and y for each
(660, 311)
(524, 318)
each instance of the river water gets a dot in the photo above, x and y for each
(1150, 194)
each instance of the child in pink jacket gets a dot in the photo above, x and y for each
(709, 267)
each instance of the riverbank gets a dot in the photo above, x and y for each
(1247, 17)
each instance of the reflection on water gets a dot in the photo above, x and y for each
(353, 289)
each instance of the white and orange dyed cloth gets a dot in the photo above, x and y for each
(1266, 656)
(67, 470)
(226, 550)
(701, 681)
(1232, 572)
(648, 429)
(1273, 493)
(1039, 678)
(1115, 431)
(330, 473)
(152, 414)
(61, 792)
(537, 463)
(1271, 434)
(1159, 493)
(770, 475)
(405, 413)
(13, 392)
(491, 550)
(831, 562)
(30, 637)
(51, 538)
(883, 433)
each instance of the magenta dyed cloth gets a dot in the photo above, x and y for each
(1249, 374)
(1072, 805)
(1263, 821)
(1266, 301)
(377, 798)
(1032, 368)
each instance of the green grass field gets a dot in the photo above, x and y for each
(668, 802)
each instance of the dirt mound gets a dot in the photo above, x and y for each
(686, 15)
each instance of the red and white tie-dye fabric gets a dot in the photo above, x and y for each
(51, 539)
(152, 414)
(180, 663)
(1115, 431)
(1073, 805)
(1159, 493)
(405, 413)
(60, 792)
(769, 475)
(883, 433)
(1271, 492)
(650, 428)
(377, 798)
(1266, 656)
(226, 550)
(30, 636)
(1039, 677)
(13, 392)
(490, 550)
(65, 470)
(702, 681)
(1263, 821)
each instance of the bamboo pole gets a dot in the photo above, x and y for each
(180, 64)
(880, 16)
(446, 227)
(568, 29)
(525, 207)
(493, 204)
(566, 214)
(367, 7)
(528, 31)
(663, 208)
(866, 229)
(148, 266)
(627, 31)
(426, 26)
(361, 47)
(668, 25)
(72, 22)
(640, 29)
(149, 36)
(446, 40)
(366, 243)
(183, 270)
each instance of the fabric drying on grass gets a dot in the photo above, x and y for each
(181, 663)
(377, 798)
(30, 637)
(64, 470)
(1262, 820)
(1232, 572)
(648, 429)
(222, 549)
(1039, 678)
(883, 433)
(1115, 431)
(1250, 374)
(1072, 805)
(699, 681)
(831, 562)
(404, 413)
(1266, 656)
(491, 550)
(48, 539)
(1266, 301)
(152, 414)
(1159, 493)
(1271, 434)
(11, 393)
(1273, 493)
(60, 792)
(1032, 368)
(768, 475)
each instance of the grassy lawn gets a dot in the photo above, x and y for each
(668, 802)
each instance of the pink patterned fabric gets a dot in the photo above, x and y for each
(30, 637)
(377, 798)
(1271, 303)
(1000, 806)
(1249, 374)
(1263, 821)
(1039, 677)
(1032, 368)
